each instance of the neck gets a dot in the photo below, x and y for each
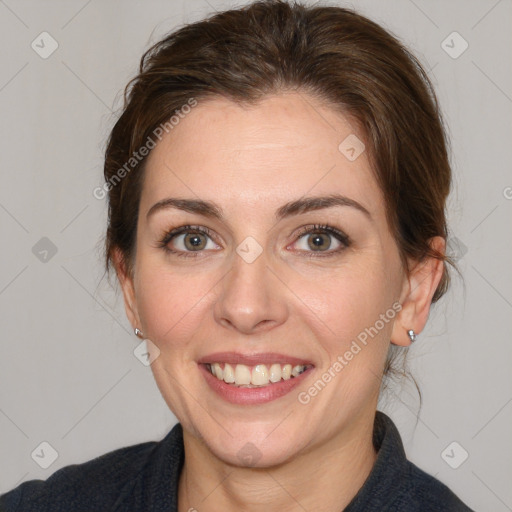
(324, 479)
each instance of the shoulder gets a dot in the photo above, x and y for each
(396, 484)
(95, 483)
(99, 484)
(424, 492)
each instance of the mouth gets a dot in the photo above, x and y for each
(253, 379)
(257, 376)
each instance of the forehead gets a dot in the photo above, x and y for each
(260, 156)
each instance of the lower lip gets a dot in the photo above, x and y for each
(252, 396)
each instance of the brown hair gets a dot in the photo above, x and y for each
(335, 54)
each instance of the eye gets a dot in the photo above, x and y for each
(191, 241)
(188, 239)
(321, 239)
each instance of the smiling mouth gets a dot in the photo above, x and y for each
(257, 376)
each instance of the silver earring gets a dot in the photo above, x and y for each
(412, 335)
(138, 333)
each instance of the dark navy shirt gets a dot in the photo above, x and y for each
(145, 477)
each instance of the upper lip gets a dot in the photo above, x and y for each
(252, 359)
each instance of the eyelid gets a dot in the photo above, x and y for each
(169, 235)
(304, 230)
(323, 228)
(344, 239)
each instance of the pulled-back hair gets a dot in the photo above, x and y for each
(340, 57)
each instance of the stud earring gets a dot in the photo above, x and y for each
(138, 333)
(412, 335)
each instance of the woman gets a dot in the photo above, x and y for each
(277, 185)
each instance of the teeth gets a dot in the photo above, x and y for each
(275, 373)
(218, 371)
(229, 374)
(257, 376)
(297, 370)
(242, 374)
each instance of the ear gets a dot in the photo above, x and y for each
(417, 292)
(128, 288)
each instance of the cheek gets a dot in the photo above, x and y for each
(344, 312)
(359, 316)
(171, 304)
(349, 303)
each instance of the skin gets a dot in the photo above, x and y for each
(250, 161)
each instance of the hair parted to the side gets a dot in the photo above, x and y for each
(340, 57)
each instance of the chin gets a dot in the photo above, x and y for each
(253, 446)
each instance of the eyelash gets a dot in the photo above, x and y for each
(313, 229)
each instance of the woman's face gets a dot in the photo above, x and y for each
(265, 275)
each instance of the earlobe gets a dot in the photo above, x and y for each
(127, 286)
(419, 288)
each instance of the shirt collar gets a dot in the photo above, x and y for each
(160, 486)
(386, 477)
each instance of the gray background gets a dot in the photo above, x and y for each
(68, 373)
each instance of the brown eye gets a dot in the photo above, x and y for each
(319, 241)
(194, 241)
(188, 240)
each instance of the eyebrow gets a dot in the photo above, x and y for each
(297, 207)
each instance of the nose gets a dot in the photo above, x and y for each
(251, 299)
